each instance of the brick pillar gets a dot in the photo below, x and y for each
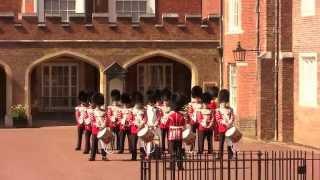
(285, 94)
(265, 99)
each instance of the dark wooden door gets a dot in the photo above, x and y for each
(2, 94)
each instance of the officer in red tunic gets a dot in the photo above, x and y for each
(176, 123)
(124, 117)
(225, 120)
(193, 107)
(81, 114)
(205, 118)
(165, 110)
(137, 122)
(112, 112)
(99, 122)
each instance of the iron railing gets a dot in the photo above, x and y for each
(249, 165)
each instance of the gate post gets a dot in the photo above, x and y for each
(259, 165)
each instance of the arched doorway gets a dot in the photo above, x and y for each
(158, 72)
(3, 102)
(54, 86)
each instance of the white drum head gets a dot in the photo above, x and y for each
(101, 133)
(230, 131)
(142, 132)
(185, 133)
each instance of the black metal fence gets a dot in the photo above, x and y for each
(249, 165)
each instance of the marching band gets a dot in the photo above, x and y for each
(165, 118)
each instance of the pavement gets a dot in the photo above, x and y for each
(47, 153)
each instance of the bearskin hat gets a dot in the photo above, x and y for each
(178, 102)
(97, 99)
(206, 97)
(223, 96)
(83, 96)
(151, 97)
(125, 98)
(214, 91)
(166, 94)
(196, 91)
(137, 98)
(115, 95)
(157, 94)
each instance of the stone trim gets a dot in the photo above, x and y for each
(8, 122)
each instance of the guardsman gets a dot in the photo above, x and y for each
(99, 122)
(81, 115)
(165, 110)
(112, 112)
(176, 123)
(87, 122)
(205, 118)
(124, 117)
(137, 122)
(214, 91)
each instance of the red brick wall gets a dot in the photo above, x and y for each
(306, 38)
(247, 75)
(181, 7)
(210, 7)
(10, 5)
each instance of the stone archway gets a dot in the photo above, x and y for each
(169, 55)
(64, 61)
(158, 70)
(5, 94)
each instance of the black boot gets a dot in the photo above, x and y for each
(230, 152)
(142, 153)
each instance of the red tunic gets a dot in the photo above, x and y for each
(112, 114)
(224, 118)
(192, 109)
(80, 114)
(89, 119)
(124, 118)
(176, 123)
(153, 116)
(99, 120)
(138, 120)
(205, 118)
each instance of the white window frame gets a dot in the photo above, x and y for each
(231, 27)
(302, 85)
(146, 67)
(51, 108)
(233, 86)
(60, 10)
(307, 8)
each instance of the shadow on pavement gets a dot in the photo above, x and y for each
(54, 119)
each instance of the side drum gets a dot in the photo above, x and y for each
(188, 136)
(234, 134)
(146, 134)
(105, 135)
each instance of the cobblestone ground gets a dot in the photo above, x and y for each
(47, 153)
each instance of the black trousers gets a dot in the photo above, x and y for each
(133, 140)
(123, 134)
(94, 147)
(175, 149)
(164, 134)
(87, 135)
(202, 135)
(221, 146)
(79, 140)
(115, 131)
(194, 128)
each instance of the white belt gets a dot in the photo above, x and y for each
(176, 127)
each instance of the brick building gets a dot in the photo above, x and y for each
(275, 90)
(51, 49)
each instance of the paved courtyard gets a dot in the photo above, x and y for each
(47, 153)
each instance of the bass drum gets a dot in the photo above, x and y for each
(146, 134)
(188, 136)
(234, 134)
(105, 135)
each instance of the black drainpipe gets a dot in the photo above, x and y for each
(258, 44)
(276, 70)
(221, 44)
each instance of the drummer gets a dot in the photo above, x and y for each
(193, 107)
(112, 112)
(176, 123)
(88, 120)
(214, 91)
(205, 118)
(225, 120)
(124, 117)
(98, 123)
(152, 121)
(80, 115)
(165, 110)
(137, 122)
